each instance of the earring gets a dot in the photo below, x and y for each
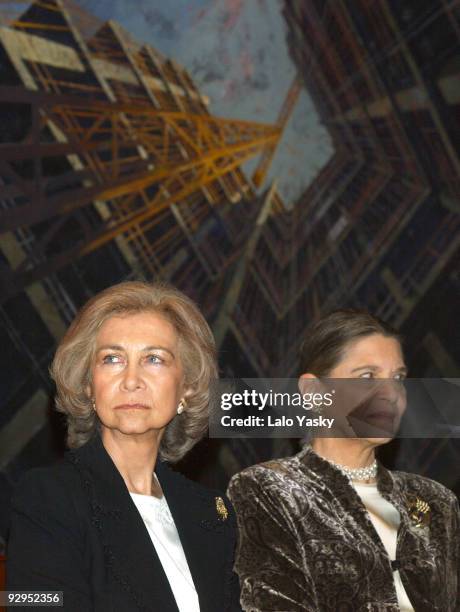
(181, 407)
(93, 402)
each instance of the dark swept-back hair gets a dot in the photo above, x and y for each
(327, 339)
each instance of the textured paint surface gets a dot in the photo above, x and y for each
(236, 52)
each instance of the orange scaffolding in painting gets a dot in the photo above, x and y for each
(110, 124)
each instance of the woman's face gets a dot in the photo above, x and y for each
(374, 404)
(137, 375)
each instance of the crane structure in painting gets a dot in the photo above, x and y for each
(102, 136)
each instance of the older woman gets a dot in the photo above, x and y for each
(112, 526)
(331, 529)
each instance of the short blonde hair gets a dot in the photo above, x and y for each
(71, 367)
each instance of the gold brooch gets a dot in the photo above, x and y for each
(419, 511)
(221, 509)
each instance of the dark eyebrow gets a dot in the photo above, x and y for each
(374, 368)
(117, 347)
(365, 367)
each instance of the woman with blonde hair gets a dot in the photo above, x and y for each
(113, 526)
(330, 529)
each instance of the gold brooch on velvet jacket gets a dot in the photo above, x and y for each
(419, 511)
(221, 509)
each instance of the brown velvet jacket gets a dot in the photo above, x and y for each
(306, 541)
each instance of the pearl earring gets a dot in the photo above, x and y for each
(181, 407)
(93, 402)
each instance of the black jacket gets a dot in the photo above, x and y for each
(75, 529)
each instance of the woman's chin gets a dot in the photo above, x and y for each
(134, 428)
(380, 429)
(378, 441)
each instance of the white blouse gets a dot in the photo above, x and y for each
(163, 533)
(385, 518)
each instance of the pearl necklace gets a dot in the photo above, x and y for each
(362, 473)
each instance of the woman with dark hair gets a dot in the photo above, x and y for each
(112, 526)
(331, 529)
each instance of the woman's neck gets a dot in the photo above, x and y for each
(352, 453)
(135, 459)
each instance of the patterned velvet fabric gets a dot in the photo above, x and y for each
(306, 541)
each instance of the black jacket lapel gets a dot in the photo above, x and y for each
(207, 538)
(129, 553)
